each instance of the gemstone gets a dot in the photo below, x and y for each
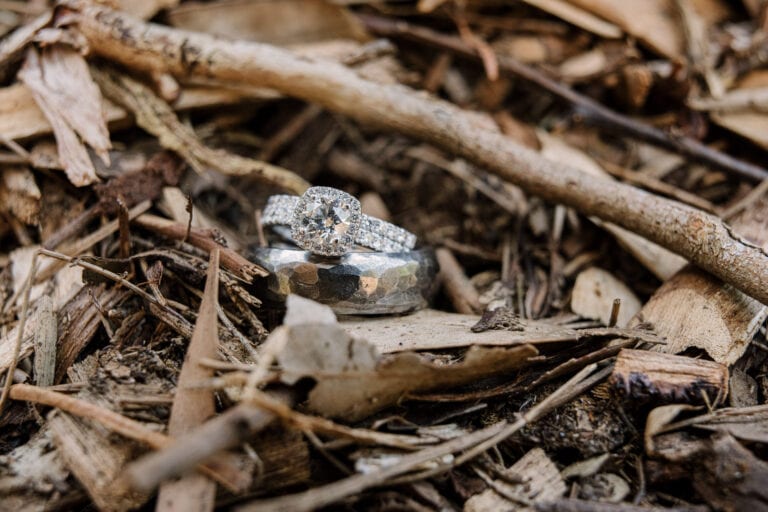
(326, 221)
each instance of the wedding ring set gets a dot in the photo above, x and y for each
(355, 263)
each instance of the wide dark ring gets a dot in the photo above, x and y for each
(357, 283)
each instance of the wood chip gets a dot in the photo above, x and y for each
(642, 376)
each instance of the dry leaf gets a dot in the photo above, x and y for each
(653, 22)
(63, 89)
(750, 125)
(577, 16)
(354, 380)
(746, 423)
(594, 292)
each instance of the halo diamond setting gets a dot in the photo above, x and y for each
(329, 222)
(326, 221)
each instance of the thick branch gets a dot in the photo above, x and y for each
(700, 237)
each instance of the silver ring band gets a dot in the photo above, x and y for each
(358, 283)
(313, 231)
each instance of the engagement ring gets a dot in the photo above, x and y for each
(328, 222)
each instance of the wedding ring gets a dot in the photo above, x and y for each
(328, 222)
(358, 283)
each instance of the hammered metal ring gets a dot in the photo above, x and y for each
(358, 283)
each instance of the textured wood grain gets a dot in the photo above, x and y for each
(644, 375)
(694, 309)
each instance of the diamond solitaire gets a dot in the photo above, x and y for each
(328, 222)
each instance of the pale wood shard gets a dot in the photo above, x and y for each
(750, 125)
(456, 284)
(541, 482)
(76, 97)
(38, 471)
(578, 16)
(45, 343)
(653, 22)
(12, 46)
(642, 375)
(693, 309)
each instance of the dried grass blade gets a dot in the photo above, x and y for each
(192, 406)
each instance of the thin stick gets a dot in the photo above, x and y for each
(20, 335)
(615, 309)
(701, 238)
(202, 239)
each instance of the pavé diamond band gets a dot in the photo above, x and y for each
(358, 283)
(329, 222)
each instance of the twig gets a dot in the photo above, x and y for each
(588, 107)
(101, 271)
(20, 335)
(575, 386)
(457, 286)
(203, 239)
(701, 238)
(615, 309)
(307, 423)
(753, 196)
(83, 244)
